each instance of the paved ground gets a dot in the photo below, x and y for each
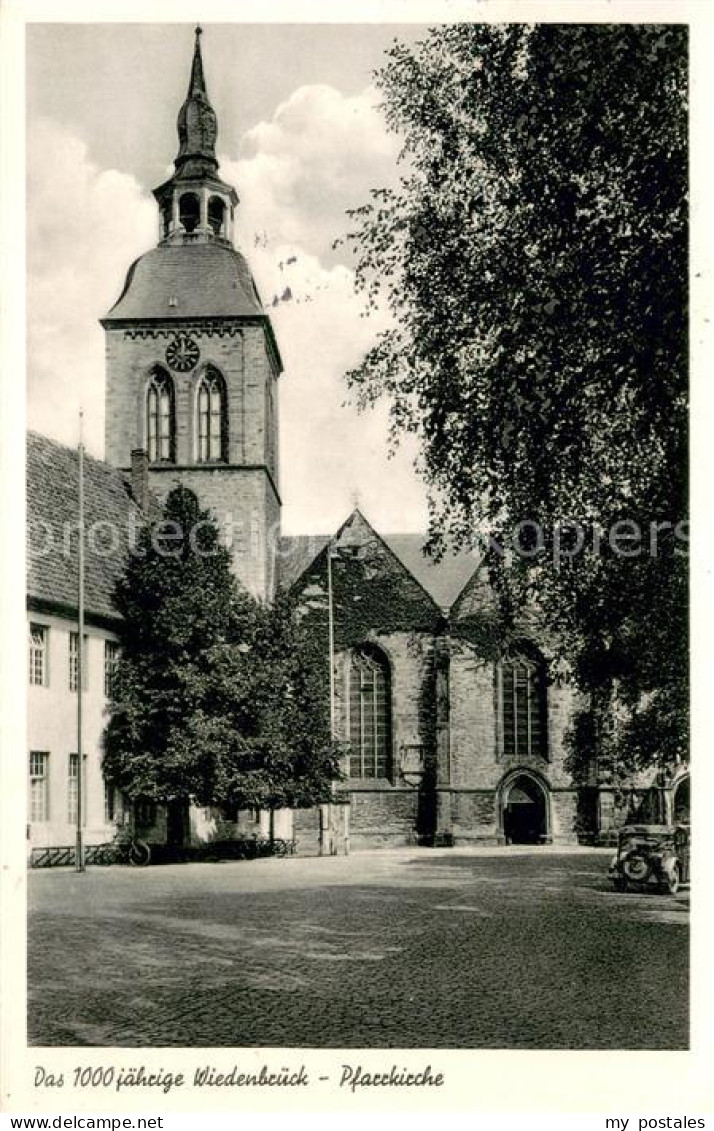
(504, 948)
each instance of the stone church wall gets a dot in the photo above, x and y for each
(247, 512)
(478, 768)
(395, 810)
(242, 494)
(239, 354)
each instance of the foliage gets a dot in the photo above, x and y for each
(217, 699)
(292, 760)
(534, 262)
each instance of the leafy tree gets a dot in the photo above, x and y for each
(289, 758)
(534, 261)
(217, 699)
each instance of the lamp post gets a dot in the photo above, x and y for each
(327, 845)
(331, 635)
(332, 555)
(79, 847)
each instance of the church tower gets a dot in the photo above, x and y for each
(192, 364)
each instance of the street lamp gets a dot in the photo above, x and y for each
(329, 825)
(327, 845)
(331, 554)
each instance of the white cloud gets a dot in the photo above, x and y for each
(320, 154)
(331, 455)
(84, 228)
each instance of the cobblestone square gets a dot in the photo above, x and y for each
(409, 948)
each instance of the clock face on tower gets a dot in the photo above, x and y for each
(182, 353)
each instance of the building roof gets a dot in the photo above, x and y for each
(296, 553)
(188, 281)
(52, 512)
(111, 515)
(443, 580)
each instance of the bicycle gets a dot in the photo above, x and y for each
(126, 848)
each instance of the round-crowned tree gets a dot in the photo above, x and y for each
(217, 699)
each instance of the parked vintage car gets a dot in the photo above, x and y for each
(651, 854)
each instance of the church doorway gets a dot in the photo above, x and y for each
(524, 810)
(681, 803)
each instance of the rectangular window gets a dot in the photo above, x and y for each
(109, 804)
(39, 786)
(152, 421)
(164, 427)
(39, 669)
(215, 435)
(74, 661)
(111, 659)
(72, 789)
(203, 414)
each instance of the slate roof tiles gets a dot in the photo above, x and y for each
(52, 515)
(194, 281)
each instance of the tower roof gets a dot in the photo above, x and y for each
(197, 124)
(197, 82)
(195, 272)
(193, 281)
(170, 284)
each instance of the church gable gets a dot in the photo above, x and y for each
(475, 616)
(477, 619)
(373, 592)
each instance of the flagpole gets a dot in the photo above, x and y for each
(79, 850)
(331, 633)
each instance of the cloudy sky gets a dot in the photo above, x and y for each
(302, 139)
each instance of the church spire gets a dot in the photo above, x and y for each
(197, 82)
(195, 205)
(197, 126)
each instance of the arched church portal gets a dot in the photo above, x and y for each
(525, 817)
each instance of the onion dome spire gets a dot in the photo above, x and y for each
(197, 126)
(195, 205)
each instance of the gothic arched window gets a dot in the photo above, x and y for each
(160, 425)
(522, 707)
(212, 427)
(370, 715)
